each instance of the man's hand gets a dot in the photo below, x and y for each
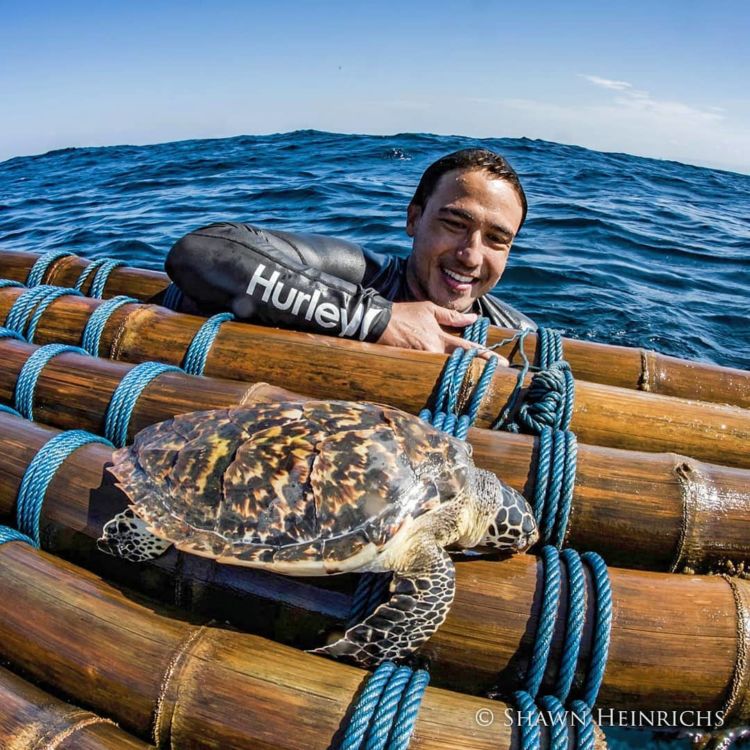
(419, 325)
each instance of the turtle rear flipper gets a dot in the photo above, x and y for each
(127, 536)
(420, 599)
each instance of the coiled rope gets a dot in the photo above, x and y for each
(195, 357)
(41, 266)
(386, 711)
(40, 473)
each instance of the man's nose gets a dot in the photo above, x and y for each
(471, 249)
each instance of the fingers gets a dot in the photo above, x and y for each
(452, 318)
(453, 342)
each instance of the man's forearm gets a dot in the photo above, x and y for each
(266, 278)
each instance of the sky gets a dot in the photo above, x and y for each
(662, 78)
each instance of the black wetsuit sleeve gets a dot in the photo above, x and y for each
(300, 281)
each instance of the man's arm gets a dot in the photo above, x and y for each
(305, 282)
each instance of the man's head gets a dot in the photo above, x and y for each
(465, 213)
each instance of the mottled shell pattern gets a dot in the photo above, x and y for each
(285, 483)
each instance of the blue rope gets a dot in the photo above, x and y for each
(445, 415)
(35, 300)
(575, 614)
(555, 480)
(40, 473)
(7, 333)
(172, 297)
(546, 621)
(574, 621)
(602, 627)
(585, 739)
(549, 346)
(386, 711)
(558, 726)
(102, 277)
(125, 397)
(529, 721)
(6, 283)
(92, 333)
(195, 358)
(477, 331)
(83, 277)
(29, 375)
(12, 535)
(39, 269)
(9, 410)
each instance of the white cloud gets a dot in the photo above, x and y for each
(607, 83)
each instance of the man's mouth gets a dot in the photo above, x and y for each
(459, 281)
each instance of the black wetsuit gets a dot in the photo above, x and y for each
(303, 281)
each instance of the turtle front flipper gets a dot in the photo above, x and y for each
(420, 599)
(127, 536)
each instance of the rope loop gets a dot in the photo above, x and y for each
(13, 535)
(7, 283)
(40, 472)
(558, 723)
(477, 331)
(9, 410)
(92, 333)
(585, 738)
(387, 709)
(125, 397)
(546, 621)
(30, 372)
(557, 454)
(7, 333)
(574, 622)
(601, 596)
(195, 358)
(528, 721)
(602, 627)
(172, 297)
(370, 592)
(43, 262)
(550, 347)
(35, 300)
(101, 268)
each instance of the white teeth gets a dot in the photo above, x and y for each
(458, 277)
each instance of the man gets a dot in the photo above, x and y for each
(464, 215)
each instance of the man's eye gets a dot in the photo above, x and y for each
(453, 224)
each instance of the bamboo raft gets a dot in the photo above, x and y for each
(181, 680)
(625, 367)
(659, 656)
(325, 367)
(645, 510)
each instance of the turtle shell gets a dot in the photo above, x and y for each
(310, 487)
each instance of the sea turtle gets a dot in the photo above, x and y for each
(314, 488)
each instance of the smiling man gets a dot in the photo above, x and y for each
(464, 215)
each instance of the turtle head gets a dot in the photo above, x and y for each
(505, 520)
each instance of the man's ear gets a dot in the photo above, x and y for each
(413, 215)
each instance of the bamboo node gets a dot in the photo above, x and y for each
(737, 705)
(166, 702)
(55, 742)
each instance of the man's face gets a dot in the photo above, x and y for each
(462, 238)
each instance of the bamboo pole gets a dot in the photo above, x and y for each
(625, 367)
(326, 367)
(661, 655)
(183, 683)
(31, 719)
(643, 510)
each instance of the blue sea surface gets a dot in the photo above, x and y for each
(616, 248)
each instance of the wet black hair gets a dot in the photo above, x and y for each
(469, 158)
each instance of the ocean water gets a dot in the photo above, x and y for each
(616, 248)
